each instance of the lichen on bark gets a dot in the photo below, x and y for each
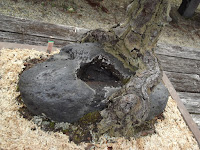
(132, 43)
(139, 33)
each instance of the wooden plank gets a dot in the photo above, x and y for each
(41, 29)
(191, 101)
(179, 65)
(196, 118)
(30, 39)
(177, 51)
(186, 116)
(7, 45)
(185, 82)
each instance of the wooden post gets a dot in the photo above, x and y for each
(188, 7)
(50, 46)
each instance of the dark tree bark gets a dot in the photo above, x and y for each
(188, 7)
(132, 43)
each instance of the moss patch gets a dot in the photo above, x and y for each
(90, 118)
(85, 127)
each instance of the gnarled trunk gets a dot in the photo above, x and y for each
(83, 73)
(132, 43)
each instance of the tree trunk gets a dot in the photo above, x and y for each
(132, 43)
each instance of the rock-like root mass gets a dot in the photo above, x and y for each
(130, 106)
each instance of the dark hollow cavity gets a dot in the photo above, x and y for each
(100, 73)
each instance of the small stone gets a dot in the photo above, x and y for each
(62, 125)
(45, 123)
(37, 120)
(71, 9)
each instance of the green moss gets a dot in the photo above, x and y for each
(90, 118)
(66, 131)
(84, 125)
(52, 125)
(76, 139)
(17, 89)
(43, 4)
(53, 5)
(79, 135)
(125, 80)
(147, 125)
(19, 99)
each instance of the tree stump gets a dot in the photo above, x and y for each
(132, 44)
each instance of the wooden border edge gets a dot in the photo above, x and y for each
(186, 116)
(8, 45)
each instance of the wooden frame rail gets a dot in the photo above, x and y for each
(186, 116)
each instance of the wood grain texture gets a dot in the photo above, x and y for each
(30, 39)
(196, 118)
(177, 51)
(7, 45)
(191, 102)
(179, 65)
(184, 82)
(40, 29)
